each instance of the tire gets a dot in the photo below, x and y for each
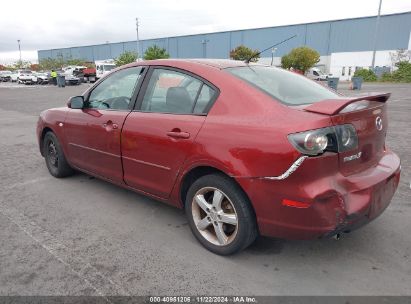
(226, 204)
(55, 160)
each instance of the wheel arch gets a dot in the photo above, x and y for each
(45, 130)
(201, 170)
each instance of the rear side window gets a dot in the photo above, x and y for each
(175, 92)
(286, 87)
(206, 95)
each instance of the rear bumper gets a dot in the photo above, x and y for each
(336, 203)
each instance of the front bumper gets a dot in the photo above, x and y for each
(336, 203)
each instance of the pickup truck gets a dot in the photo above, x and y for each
(88, 74)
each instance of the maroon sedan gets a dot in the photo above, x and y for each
(245, 149)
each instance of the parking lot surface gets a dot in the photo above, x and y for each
(84, 236)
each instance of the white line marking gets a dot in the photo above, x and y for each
(29, 182)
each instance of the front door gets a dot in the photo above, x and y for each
(93, 133)
(158, 136)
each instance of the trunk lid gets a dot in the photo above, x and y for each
(368, 114)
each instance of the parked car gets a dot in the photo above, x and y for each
(42, 78)
(73, 69)
(13, 77)
(245, 149)
(27, 77)
(72, 80)
(5, 76)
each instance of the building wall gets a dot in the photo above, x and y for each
(342, 63)
(350, 37)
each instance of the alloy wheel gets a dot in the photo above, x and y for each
(214, 216)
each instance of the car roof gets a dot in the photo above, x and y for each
(216, 63)
(219, 63)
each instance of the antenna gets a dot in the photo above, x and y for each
(255, 55)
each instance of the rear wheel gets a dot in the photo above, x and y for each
(55, 160)
(220, 215)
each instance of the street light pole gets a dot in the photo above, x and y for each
(138, 40)
(377, 24)
(18, 41)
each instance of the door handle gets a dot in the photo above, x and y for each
(178, 134)
(110, 124)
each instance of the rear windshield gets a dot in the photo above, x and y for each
(287, 87)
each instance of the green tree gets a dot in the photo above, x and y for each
(125, 58)
(155, 52)
(21, 64)
(74, 61)
(386, 77)
(367, 75)
(244, 53)
(286, 62)
(50, 63)
(302, 58)
(403, 73)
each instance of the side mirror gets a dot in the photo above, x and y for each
(76, 102)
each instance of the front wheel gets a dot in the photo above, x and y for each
(220, 214)
(55, 160)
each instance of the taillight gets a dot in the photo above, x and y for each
(347, 137)
(334, 139)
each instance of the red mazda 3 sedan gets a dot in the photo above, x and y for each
(245, 149)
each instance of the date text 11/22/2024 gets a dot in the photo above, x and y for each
(203, 299)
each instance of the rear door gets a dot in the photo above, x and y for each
(93, 133)
(159, 134)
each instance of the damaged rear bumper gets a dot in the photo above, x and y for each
(335, 203)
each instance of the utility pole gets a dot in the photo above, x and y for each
(272, 55)
(138, 41)
(18, 41)
(377, 24)
(204, 42)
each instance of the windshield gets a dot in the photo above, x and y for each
(287, 87)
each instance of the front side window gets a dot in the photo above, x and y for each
(284, 86)
(115, 92)
(170, 91)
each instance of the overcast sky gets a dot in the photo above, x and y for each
(52, 23)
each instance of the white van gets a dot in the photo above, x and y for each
(316, 74)
(103, 67)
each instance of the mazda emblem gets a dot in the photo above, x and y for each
(378, 123)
